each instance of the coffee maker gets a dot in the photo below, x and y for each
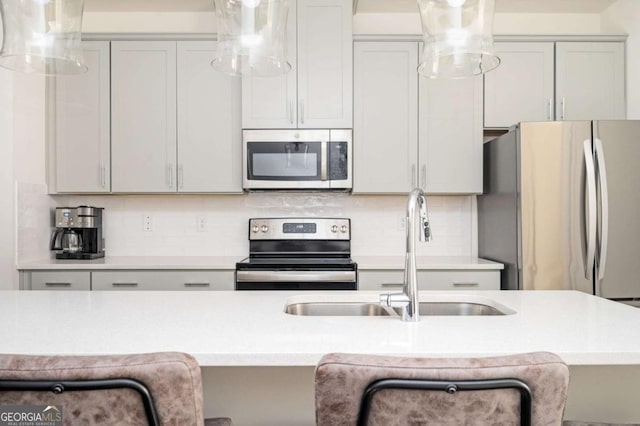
(78, 233)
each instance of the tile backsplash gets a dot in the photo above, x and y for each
(217, 225)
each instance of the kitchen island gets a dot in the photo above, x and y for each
(258, 361)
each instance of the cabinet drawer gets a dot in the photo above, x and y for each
(388, 280)
(63, 280)
(163, 280)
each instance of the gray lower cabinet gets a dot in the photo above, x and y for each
(188, 280)
(59, 280)
(162, 280)
(388, 280)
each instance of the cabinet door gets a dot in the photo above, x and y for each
(391, 280)
(386, 117)
(450, 136)
(163, 280)
(143, 116)
(590, 81)
(209, 130)
(325, 64)
(270, 102)
(82, 125)
(521, 88)
(61, 280)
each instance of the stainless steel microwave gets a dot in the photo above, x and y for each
(297, 159)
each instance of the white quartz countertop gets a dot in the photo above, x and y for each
(251, 329)
(229, 262)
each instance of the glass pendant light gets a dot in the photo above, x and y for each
(42, 36)
(251, 37)
(458, 38)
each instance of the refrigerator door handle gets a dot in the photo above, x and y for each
(604, 209)
(590, 210)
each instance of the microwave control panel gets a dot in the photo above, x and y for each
(338, 161)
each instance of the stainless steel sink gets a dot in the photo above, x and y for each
(349, 309)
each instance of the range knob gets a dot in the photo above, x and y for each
(255, 229)
(334, 228)
(343, 229)
(264, 228)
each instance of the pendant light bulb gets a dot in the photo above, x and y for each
(42, 36)
(251, 37)
(458, 38)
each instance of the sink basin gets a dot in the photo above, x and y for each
(349, 309)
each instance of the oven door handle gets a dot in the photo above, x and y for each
(295, 276)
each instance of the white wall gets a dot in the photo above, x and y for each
(7, 229)
(624, 17)
(504, 23)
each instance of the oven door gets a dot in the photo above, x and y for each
(285, 159)
(271, 279)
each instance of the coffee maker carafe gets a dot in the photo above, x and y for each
(78, 233)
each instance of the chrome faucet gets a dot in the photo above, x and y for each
(407, 301)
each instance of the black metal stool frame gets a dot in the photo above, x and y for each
(449, 387)
(60, 386)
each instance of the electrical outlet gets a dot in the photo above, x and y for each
(147, 222)
(402, 222)
(201, 223)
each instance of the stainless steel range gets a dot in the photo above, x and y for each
(298, 254)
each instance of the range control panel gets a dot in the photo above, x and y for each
(300, 229)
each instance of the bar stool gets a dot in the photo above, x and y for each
(141, 389)
(526, 389)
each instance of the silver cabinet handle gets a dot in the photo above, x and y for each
(465, 284)
(57, 284)
(590, 210)
(412, 176)
(170, 172)
(563, 108)
(100, 179)
(604, 209)
(550, 110)
(423, 176)
(291, 111)
(180, 176)
(104, 176)
(389, 285)
(301, 111)
(197, 284)
(124, 284)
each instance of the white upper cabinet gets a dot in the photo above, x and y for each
(450, 134)
(82, 131)
(385, 117)
(590, 81)
(317, 92)
(411, 131)
(325, 64)
(521, 88)
(143, 116)
(209, 130)
(271, 102)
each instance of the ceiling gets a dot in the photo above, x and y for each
(363, 6)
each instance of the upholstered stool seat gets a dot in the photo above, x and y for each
(578, 423)
(342, 379)
(114, 388)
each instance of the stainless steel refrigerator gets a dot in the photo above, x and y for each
(561, 207)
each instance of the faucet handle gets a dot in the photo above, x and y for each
(427, 230)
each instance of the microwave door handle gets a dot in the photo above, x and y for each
(306, 152)
(323, 160)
